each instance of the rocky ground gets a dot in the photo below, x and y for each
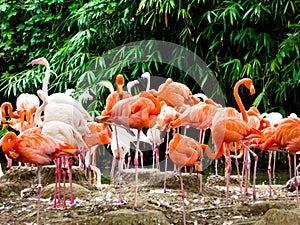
(97, 205)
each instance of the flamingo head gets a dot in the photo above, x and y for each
(145, 75)
(249, 85)
(41, 61)
(120, 80)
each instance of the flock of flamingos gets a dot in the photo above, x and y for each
(42, 135)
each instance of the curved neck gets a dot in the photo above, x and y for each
(239, 101)
(46, 78)
(9, 111)
(209, 153)
(107, 85)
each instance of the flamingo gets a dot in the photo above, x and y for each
(198, 116)
(56, 97)
(175, 94)
(164, 119)
(40, 149)
(135, 112)
(286, 135)
(121, 138)
(271, 119)
(185, 151)
(99, 134)
(225, 130)
(252, 118)
(66, 133)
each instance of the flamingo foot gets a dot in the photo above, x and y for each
(166, 190)
(120, 202)
(136, 209)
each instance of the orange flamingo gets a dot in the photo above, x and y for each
(286, 135)
(40, 149)
(226, 130)
(164, 119)
(114, 96)
(135, 112)
(185, 151)
(198, 116)
(175, 94)
(100, 134)
(250, 117)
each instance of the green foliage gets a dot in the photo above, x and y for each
(256, 39)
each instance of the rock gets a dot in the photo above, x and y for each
(290, 184)
(128, 216)
(279, 217)
(221, 180)
(21, 177)
(153, 178)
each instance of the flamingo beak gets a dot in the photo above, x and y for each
(252, 90)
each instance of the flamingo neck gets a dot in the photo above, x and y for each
(239, 101)
(8, 106)
(209, 153)
(148, 84)
(46, 78)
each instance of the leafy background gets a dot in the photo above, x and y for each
(256, 39)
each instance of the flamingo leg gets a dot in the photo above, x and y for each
(183, 196)
(270, 172)
(112, 169)
(95, 163)
(290, 167)
(157, 157)
(58, 180)
(255, 167)
(166, 163)
(39, 191)
(238, 171)
(274, 162)
(296, 180)
(120, 166)
(201, 139)
(142, 158)
(136, 164)
(216, 167)
(71, 182)
(64, 180)
(254, 173)
(228, 171)
(56, 183)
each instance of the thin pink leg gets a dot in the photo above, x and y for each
(71, 182)
(166, 163)
(270, 172)
(228, 171)
(39, 191)
(182, 195)
(136, 164)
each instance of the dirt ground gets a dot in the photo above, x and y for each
(97, 205)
